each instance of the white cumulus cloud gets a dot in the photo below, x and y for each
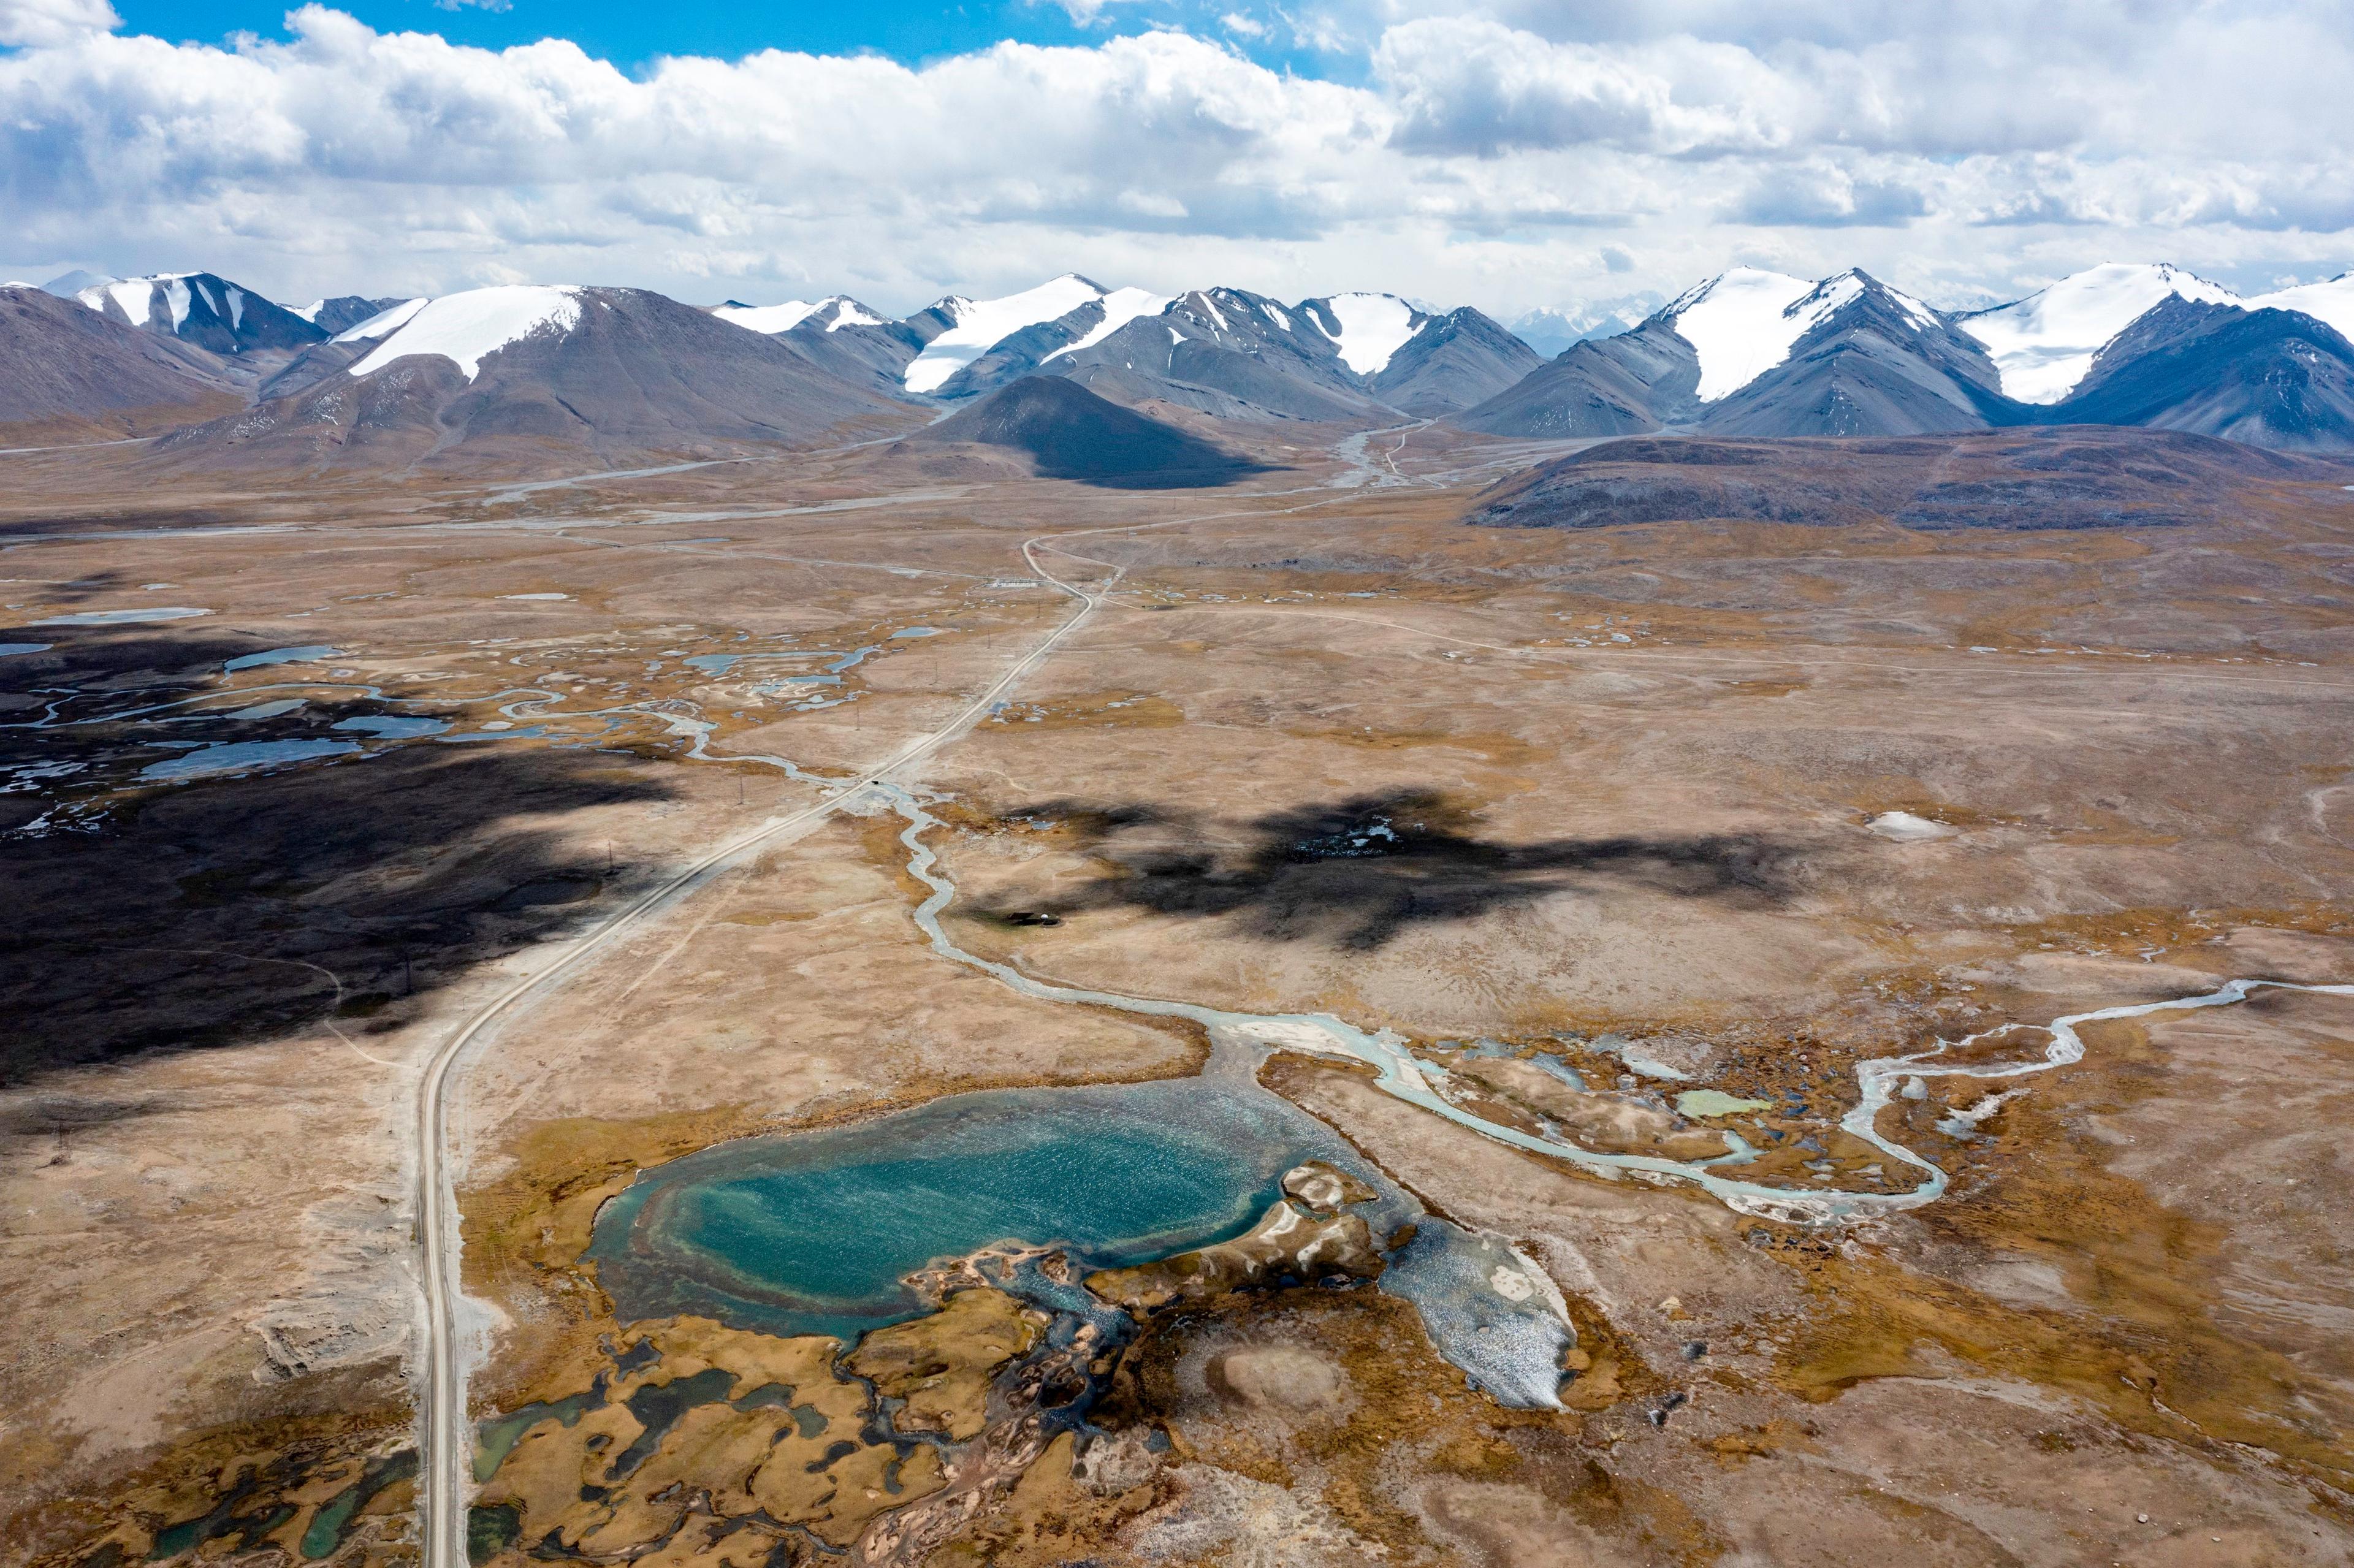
(42, 24)
(1512, 153)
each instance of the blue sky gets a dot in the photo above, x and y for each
(631, 34)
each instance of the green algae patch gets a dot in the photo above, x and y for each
(1716, 1102)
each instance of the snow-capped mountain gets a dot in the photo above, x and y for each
(1742, 323)
(1763, 353)
(463, 328)
(1451, 363)
(1226, 352)
(518, 374)
(2264, 377)
(1365, 329)
(66, 285)
(2332, 302)
(2044, 343)
(971, 328)
(1750, 353)
(1871, 360)
(1552, 332)
(202, 307)
(830, 315)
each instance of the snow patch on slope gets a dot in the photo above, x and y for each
(1372, 328)
(132, 295)
(2044, 343)
(1121, 307)
(848, 311)
(465, 328)
(2332, 302)
(1743, 323)
(770, 319)
(389, 320)
(1201, 298)
(982, 324)
(1922, 316)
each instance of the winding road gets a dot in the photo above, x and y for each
(444, 1438)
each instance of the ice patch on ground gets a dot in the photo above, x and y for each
(1905, 828)
(1498, 1315)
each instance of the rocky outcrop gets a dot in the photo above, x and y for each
(1303, 1235)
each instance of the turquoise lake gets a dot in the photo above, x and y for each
(812, 1233)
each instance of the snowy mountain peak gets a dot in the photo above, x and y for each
(1121, 307)
(68, 285)
(840, 311)
(770, 319)
(1742, 323)
(2044, 343)
(1550, 331)
(982, 325)
(384, 323)
(135, 298)
(834, 313)
(204, 308)
(464, 328)
(1367, 329)
(2332, 302)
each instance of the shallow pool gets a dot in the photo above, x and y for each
(242, 756)
(393, 726)
(120, 616)
(310, 653)
(812, 1233)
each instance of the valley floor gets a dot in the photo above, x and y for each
(1586, 820)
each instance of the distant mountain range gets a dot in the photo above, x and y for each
(1552, 332)
(504, 374)
(1751, 352)
(495, 373)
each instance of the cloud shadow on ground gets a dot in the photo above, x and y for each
(1356, 872)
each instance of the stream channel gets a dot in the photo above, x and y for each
(760, 1232)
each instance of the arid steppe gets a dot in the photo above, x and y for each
(1591, 820)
